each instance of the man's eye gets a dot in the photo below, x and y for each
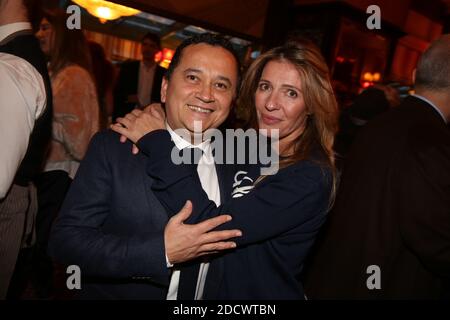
(191, 77)
(223, 86)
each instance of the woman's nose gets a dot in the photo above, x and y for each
(272, 103)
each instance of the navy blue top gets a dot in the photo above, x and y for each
(279, 219)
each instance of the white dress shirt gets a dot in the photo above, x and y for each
(206, 170)
(10, 28)
(23, 100)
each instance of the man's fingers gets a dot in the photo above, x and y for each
(212, 223)
(215, 236)
(184, 213)
(216, 246)
(205, 253)
(123, 138)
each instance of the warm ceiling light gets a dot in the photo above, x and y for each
(105, 10)
(368, 76)
(376, 76)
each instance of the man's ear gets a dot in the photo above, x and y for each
(164, 85)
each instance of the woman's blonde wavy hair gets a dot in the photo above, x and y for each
(322, 122)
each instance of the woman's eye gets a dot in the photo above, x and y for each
(263, 86)
(292, 94)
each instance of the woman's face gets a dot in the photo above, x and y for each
(46, 36)
(279, 101)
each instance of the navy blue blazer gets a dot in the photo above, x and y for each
(112, 226)
(279, 218)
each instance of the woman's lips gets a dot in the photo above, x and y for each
(269, 120)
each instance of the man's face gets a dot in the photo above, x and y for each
(149, 49)
(201, 87)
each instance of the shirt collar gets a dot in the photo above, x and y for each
(10, 28)
(181, 143)
(431, 104)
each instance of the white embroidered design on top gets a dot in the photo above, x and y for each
(242, 186)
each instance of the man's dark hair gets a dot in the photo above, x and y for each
(206, 38)
(153, 38)
(433, 68)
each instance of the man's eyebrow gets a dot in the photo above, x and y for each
(222, 78)
(225, 79)
(192, 70)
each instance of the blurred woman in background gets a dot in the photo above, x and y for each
(75, 120)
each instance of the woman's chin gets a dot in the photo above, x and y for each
(269, 132)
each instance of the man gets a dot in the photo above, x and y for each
(25, 131)
(368, 105)
(389, 233)
(112, 226)
(139, 82)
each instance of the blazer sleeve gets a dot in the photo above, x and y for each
(293, 197)
(77, 236)
(424, 207)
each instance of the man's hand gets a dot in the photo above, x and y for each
(185, 242)
(139, 122)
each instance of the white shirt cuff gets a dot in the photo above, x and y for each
(169, 265)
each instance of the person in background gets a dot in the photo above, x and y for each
(104, 75)
(139, 82)
(76, 111)
(369, 104)
(389, 232)
(75, 120)
(25, 131)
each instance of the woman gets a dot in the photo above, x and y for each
(288, 89)
(75, 105)
(75, 120)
